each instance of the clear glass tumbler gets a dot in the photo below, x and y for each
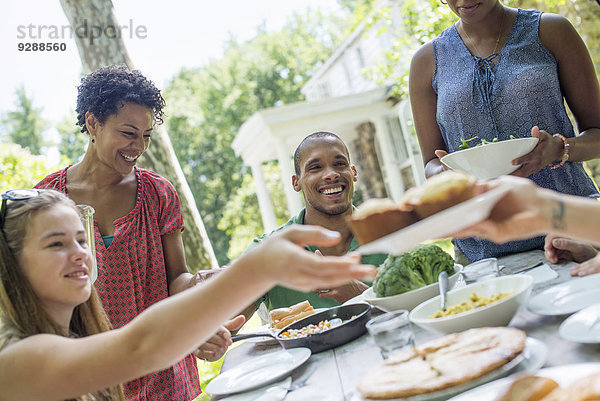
(87, 218)
(481, 270)
(391, 331)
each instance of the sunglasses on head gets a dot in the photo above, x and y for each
(86, 213)
(16, 195)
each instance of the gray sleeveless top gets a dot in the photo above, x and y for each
(474, 98)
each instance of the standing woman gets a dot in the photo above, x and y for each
(138, 219)
(500, 70)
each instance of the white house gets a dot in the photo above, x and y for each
(339, 99)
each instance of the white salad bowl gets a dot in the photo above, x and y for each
(490, 160)
(409, 299)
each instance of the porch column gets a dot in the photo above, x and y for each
(264, 199)
(294, 199)
(391, 164)
(412, 147)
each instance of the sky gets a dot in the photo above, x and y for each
(166, 36)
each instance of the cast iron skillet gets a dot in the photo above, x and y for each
(331, 338)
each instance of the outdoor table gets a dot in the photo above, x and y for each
(339, 370)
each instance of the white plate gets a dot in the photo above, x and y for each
(583, 326)
(533, 358)
(360, 298)
(563, 375)
(254, 394)
(568, 297)
(440, 225)
(258, 371)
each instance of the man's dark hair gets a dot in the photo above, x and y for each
(314, 135)
(107, 89)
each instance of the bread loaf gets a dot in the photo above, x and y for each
(281, 317)
(528, 388)
(440, 192)
(376, 218)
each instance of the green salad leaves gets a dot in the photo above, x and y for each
(411, 270)
(465, 143)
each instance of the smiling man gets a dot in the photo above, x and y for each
(326, 179)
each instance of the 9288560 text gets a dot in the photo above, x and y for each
(41, 47)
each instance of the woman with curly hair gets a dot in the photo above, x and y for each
(55, 342)
(138, 218)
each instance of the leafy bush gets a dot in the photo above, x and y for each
(20, 169)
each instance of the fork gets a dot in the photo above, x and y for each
(279, 390)
(301, 381)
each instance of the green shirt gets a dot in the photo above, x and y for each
(280, 297)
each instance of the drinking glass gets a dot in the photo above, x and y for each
(391, 331)
(87, 218)
(481, 270)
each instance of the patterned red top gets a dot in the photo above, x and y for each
(132, 275)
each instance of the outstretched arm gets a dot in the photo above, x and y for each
(168, 330)
(528, 210)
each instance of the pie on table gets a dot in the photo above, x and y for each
(443, 363)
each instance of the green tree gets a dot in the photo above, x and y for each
(25, 124)
(20, 169)
(422, 21)
(241, 219)
(359, 10)
(206, 107)
(72, 141)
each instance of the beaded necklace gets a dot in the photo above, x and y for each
(497, 39)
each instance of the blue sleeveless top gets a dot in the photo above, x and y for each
(520, 91)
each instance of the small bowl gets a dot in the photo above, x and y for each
(498, 313)
(408, 300)
(491, 160)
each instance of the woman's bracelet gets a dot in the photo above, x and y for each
(565, 155)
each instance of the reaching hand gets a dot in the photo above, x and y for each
(588, 267)
(541, 156)
(440, 153)
(344, 292)
(283, 259)
(557, 248)
(203, 275)
(515, 215)
(216, 346)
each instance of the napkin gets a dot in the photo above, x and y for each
(541, 274)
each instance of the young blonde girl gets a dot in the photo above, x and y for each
(55, 342)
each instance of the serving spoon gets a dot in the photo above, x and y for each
(443, 284)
